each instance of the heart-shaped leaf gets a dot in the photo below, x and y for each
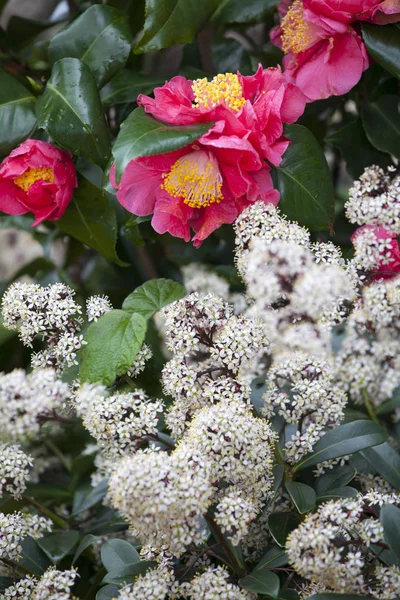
(153, 295)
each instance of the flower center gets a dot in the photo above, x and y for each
(195, 178)
(222, 89)
(298, 34)
(30, 176)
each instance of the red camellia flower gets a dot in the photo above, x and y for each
(39, 178)
(325, 55)
(210, 182)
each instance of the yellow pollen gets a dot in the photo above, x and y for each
(222, 89)
(30, 176)
(298, 34)
(195, 178)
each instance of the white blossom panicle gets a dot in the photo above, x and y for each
(375, 497)
(234, 514)
(372, 249)
(153, 585)
(162, 497)
(55, 585)
(214, 584)
(327, 253)
(15, 527)
(97, 306)
(374, 199)
(14, 470)
(140, 361)
(388, 582)
(122, 423)
(22, 590)
(196, 278)
(381, 303)
(26, 399)
(85, 395)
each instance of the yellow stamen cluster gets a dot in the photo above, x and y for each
(222, 89)
(297, 34)
(196, 179)
(30, 176)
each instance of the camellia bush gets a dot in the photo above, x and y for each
(200, 300)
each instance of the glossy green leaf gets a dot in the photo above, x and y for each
(128, 573)
(71, 112)
(337, 597)
(127, 85)
(281, 524)
(91, 219)
(386, 461)
(141, 135)
(305, 182)
(288, 594)
(389, 405)
(302, 495)
(261, 582)
(390, 519)
(112, 345)
(350, 136)
(381, 121)
(337, 477)
(17, 113)
(383, 43)
(173, 22)
(100, 37)
(153, 295)
(33, 558)
(5, 582)
(237, 11)
(87, 496)
(118, 553)
(108, 592)
(335, 493)
(58, 545)
(274, 557)
(346, 439)
(86, 542)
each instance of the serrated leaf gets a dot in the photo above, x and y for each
(127, 85)
(56, 546)
(386, 461)
(149, 298)
(281, 524)
(112, 345)
(70, 111)
(100, 37)
(142, 135)
(381, 120)
(302, 495)
(17, 113)
(383, 43)
(305, 182)
(346, 439)
(390, 519)
(261, 582)
(171, 22)
(118, 553)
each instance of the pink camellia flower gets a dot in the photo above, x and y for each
(39, 178)
(378, 251)
(209, 182)
(324, 55)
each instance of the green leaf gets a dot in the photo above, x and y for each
(305, 182)
(261, 582)
(350, 136)
(127, 85)
(337, 597)
(346, 439)
(302, 495)
(32, 557)
(142, 135)
(87, 541)
(288, 594)
(383, 43)
(386, 461)
(381, 121)
(21, 32)
(389, 405)
(274, 557)
(335, 478)
(108, 592)
(48, 491)
(173, 22)
(390, 519)
(112, 345)
(237, 11)
(281, 524)
(71, 112)
(128, 573)
(100, 37)
(118, 553)
(87, 496)
(17, 113)
(335, 493)
(58, 545)
(5, 582)
(149, 298)
(91, 219)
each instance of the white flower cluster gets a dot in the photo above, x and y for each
(17, 526)
(49, 313)
(374, 199)
(197, 278)
(27, 400)
(302, 390)
(53, 585)
(233, 514)
(388, 585)
(140, 361)
(156, 584)
(373, 248)
(14, 470)
(97, 306)
(332, 547)
(214, 584)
